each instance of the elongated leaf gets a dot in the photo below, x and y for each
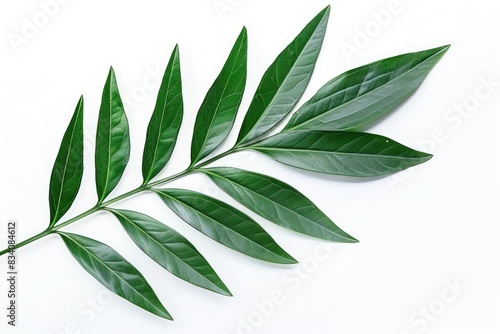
(165, 122)
(170, 250)
(276, 201)
(112, 141)
(114, 272)
(224, 224)
(341, 153)
(285, 80)
(67, 172)
(218, 111)
(360, 96)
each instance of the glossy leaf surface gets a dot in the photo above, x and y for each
(170, 250)
(340, 153)
(218, 110)
(277, 201)
(112, 141)
(67, 172)
(165, 122)
(114, 272)
(224, 224)
(285, 80)
(360, 96)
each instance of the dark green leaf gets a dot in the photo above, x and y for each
(67, 172)
(341, 153)
(284, 81)
(360, 96)
(218, 110)
(165, 122)
(114, 272)
(224, 224)
(170, 250)
(277, 202)
(112, 141)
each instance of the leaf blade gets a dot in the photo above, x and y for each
(112, 139)
(284, 81)
(224, 224)
(170, 249)
(355, 154)
(218, 110)
(276, 201)
(67, 172)
(114, 272)
(356, 98)
(165, 122)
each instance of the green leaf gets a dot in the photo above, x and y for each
(165, 122)
(112, 141)
(217, 113)
(67, 172)
(114, 272)
(224, 224)
(360, 96)
(284, 81)
(170, 250)
(277, 202)
(341, 153)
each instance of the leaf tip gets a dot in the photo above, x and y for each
(443, 49)
(288, 259)
(325, 11)
(352, 240)
(427, 156)
(225, 292)
(165, 315)
(111, 74)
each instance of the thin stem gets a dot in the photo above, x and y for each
(27, 241)
(103, 205)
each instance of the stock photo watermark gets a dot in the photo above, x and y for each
(291, 282)
(149, 84)
(364, 34)
(225, 7)
(453, 119)
(12, 273)
(32, 24)
(420, 320)
(86, 312)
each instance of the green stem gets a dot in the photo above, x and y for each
(27, 241)
(187, 171)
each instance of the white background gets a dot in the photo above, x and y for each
(420, 231)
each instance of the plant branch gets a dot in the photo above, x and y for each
(128, 194)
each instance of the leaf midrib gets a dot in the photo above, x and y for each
(252, 130)
(261, 148)
(114, 273)
(212, 120)
(225, 227)
(108, 162)
(155, 151)
(162, 247)
(55, 218)
(298, 126)
(278, 204)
